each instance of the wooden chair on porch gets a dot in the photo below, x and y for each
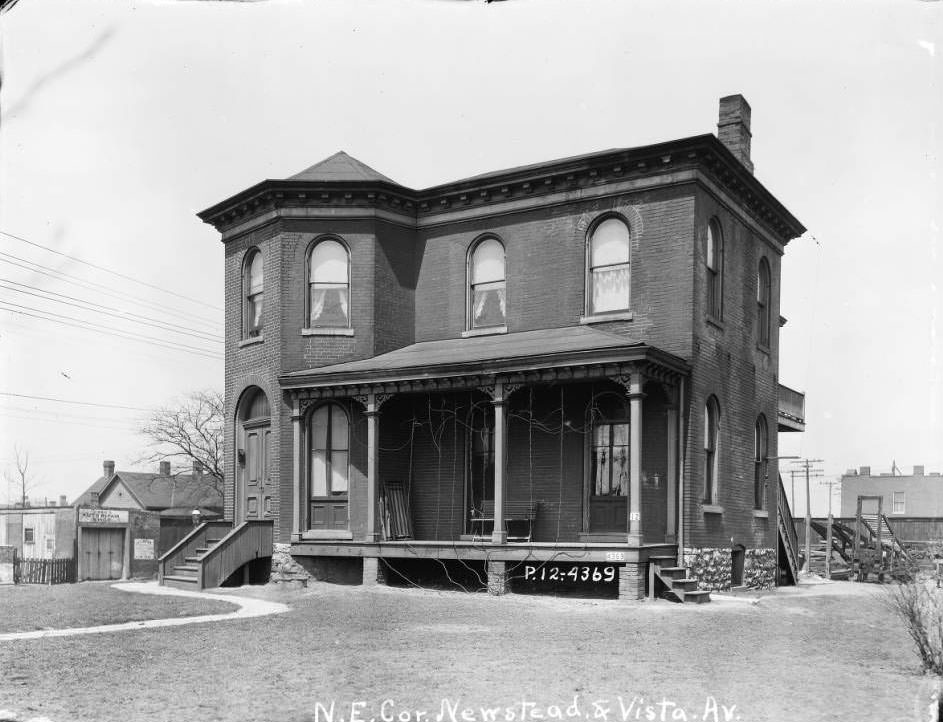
(519, 519)
(394, 511)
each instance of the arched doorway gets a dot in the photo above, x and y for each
(254, 488)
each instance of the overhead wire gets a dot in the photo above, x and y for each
(112, 272)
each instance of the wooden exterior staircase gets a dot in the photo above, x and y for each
(212, 552)
(673, 581)
(788, 541)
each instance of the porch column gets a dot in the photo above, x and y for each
(373, 448)
(499, 535)
(635, 458)
(297, 491)
(670, 480)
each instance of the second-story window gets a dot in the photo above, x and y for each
(253, 295)
(715, 270)
(762, 303)
(608, 276)
(487, 301)
(329, 286)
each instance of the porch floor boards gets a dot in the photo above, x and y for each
(485, 551)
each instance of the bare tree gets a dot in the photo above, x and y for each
(190, 431)
(21, 480)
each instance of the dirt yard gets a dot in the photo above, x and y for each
(832, 652)
(26, 607)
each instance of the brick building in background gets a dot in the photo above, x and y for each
(568, 363)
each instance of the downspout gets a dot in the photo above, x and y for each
(682, 407)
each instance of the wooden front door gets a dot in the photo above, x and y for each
(609, 478)
(258, 489)
(103, 551)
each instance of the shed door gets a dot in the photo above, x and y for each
(104, 553)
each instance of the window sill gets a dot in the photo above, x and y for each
(715, 322)
(489, 331)
(762, 349)
(251, 341)
(760, 514)
(712, 509)
(612, 316)
(327, 332)
(326, 534)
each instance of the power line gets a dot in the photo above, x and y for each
(98, 287)
(108, 331)
(114, 273)
(78, 403)
(122, 315)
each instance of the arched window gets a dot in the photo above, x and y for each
(762, 303)
(714, 257)
(480, 459)
(760, 453)
(607, 282)
(711, 433)
(252, 288)
(487, 302)
(329, 285)
(329, 472)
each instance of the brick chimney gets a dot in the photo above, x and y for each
(108, 466)
(733, 128)
(62, 500)
(165, 468)
(865, 471)
(918, 470)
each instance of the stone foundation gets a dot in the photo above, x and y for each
(497, 578)
(284, 567)
(711, 567)
(374, 572)
(632, 581)
(759, 568)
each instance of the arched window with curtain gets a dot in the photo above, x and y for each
(711, 437)
(763, 303)
(253, 294)
(760, 463)
(714, 257)
(608, 267)
(487, 300)
(329, 470)
(329, 285)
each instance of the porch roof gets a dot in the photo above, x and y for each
(506, 353)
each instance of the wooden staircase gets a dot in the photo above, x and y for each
(789, 542)
(212, 552)
(673, 581)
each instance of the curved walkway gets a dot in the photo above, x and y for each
(247, 608)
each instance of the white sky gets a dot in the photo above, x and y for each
(121, 120)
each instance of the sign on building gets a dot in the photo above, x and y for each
(143, 548)
(103, 516)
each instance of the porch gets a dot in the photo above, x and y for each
(580, 427)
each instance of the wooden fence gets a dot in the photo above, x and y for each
(43, 571)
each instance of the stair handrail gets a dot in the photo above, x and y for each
(237, 533)
(183, 548)
(788, 526)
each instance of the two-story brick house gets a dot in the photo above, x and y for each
(570, 362)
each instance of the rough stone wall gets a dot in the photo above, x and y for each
(285, 568)
(711, 567)
(759, 568)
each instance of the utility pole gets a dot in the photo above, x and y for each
(806, 464)
(828, 541)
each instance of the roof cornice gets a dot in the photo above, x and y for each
(570, 174)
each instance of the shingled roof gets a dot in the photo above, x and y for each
(340, 167)
(157, 492)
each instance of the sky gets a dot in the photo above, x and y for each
(120, 120)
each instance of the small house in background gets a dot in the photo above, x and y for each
(173, 496)
(39, 532)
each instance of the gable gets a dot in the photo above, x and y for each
(119, 496)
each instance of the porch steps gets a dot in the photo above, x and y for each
(213, 552)
(187, 575)
(675, 581)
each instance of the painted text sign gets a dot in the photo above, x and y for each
(103, 516)
(143, 548)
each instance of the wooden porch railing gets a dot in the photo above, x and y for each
(247, 541)
(187, 547)
(787, 531)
